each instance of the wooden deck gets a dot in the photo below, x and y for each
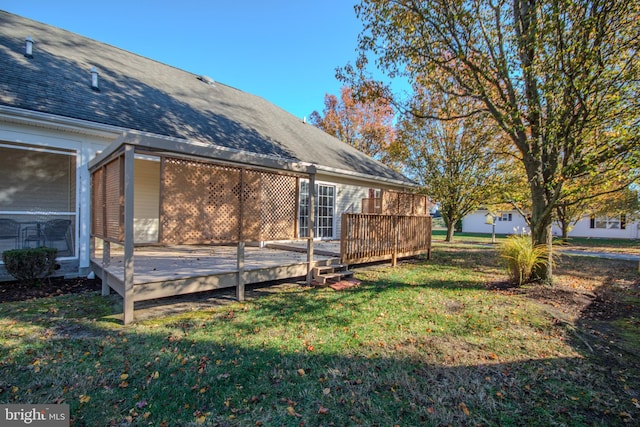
(175, 270)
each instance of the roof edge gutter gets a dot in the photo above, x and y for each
(52, 121)
(359, 175)
(204, 150)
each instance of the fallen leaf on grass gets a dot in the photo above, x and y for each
(322, 410)
(464, 408)
(84, 398)
(291, 411)
(301, 372)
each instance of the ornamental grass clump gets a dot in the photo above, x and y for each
(522, 257)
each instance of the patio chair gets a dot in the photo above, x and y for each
(56, 231)
(10, 230)
(32, 236)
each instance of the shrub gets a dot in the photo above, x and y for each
(30, 264)
(522, 257)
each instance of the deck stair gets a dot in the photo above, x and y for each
(326, 274)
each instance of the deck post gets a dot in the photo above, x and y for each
(128, 233)
(106, 261)
(312, 227)
(240, 265)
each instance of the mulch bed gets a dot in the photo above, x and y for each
(55, 286)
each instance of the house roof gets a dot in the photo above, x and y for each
(140, 94)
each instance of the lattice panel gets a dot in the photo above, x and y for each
(97, 203)
(279, 207)
(113, 198)
(397, 203)
(251, 205)
(405, 204)
(204, 202)
(222, 210)
(182, 192)
(420, 207)
(389, 203)
(192, 194)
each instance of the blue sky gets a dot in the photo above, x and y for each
(283, 50)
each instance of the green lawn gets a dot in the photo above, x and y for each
(627, 246)
(427, 343)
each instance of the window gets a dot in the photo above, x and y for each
(505, 217)
(609, 223)
(38, 193)
(325, 210)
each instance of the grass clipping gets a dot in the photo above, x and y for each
(522, 257)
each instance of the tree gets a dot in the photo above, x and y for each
(365, 125)
(561, 78)
(456, 160)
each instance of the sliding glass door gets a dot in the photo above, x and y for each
(325, 210)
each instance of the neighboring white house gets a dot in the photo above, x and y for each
(511, 222)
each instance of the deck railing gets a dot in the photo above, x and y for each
(375, 237)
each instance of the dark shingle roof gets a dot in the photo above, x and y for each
(145, 95)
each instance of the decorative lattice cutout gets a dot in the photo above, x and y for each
(279, 207)
(203, 202)
(97, 203)
(113, 200)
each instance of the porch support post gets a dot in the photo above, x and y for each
(128, 232)
(312, 227)
(240, 280)
(106, 261)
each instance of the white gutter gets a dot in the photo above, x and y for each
(56, 122)
(359, 175)
(205, 150)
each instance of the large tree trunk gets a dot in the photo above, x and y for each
(565, 231)
(451, 226)
(541, 233)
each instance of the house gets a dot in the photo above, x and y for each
(512, 222)
(118, 148)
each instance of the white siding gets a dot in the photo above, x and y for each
(583, 229)
(349, 201)
(476, 223)
(146, 205)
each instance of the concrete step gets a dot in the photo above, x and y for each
(330, 277)
(330, 268)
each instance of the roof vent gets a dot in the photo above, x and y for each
(94, 79)
(206, 79)
(28, 47)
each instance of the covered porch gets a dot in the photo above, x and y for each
(171, 217)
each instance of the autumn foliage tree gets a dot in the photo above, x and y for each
(457, 161)
(561, 78)
(365, 125)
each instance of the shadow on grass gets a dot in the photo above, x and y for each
(208, 369)
(192, 376)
